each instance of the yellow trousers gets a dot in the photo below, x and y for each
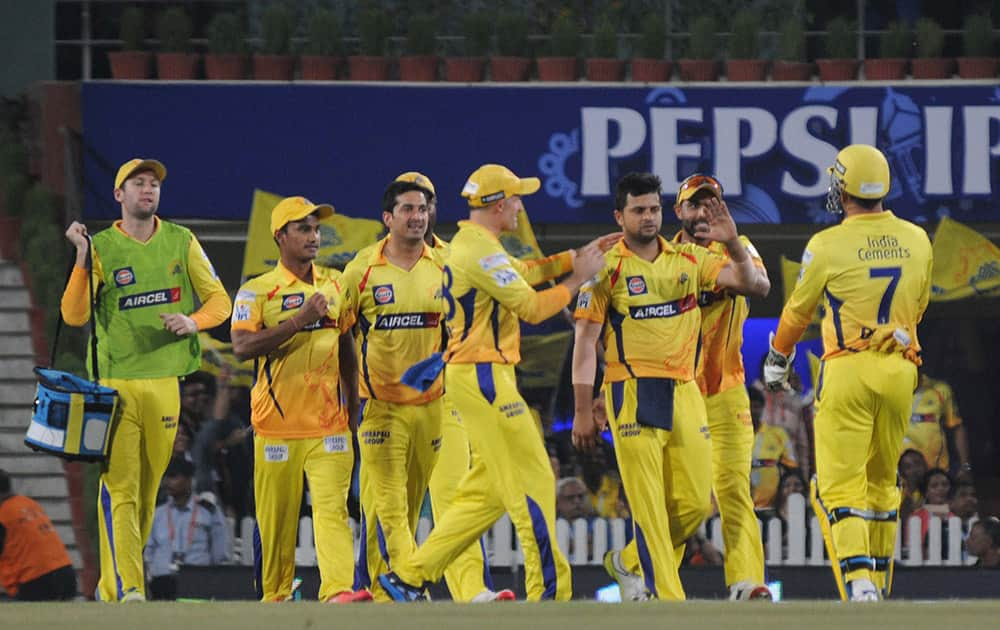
(278, 484)
(732, 450)
(142, 441)
(399, 447)
(667, 476)
(469, 573)
(510, 473)
(863, 407)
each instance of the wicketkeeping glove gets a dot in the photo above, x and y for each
(776, 367)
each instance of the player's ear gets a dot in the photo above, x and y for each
(619, 218)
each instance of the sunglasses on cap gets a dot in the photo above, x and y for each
(696, 182)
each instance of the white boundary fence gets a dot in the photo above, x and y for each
(585, 544)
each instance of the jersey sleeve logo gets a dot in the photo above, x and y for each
(493, 261)
(150, 298)
(636, 285)
(383, 294)
(124, 277)
(584, 300)
(504, 277)
(242, 312)
(293, 300)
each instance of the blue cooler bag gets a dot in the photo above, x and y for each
(73, 417)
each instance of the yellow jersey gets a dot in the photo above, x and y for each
(723, 313)
(487, 291)
(296, 393)
(873, 274)
(400, 315)
(652, 323)
(771, 447)
(934, 412)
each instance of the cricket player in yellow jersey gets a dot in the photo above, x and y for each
(396, 297)
(486, 296)
(872, 273)
(645, 300)
(145, 275)
(294, 323)
(933, 420)
(721, 379)
(468, 576)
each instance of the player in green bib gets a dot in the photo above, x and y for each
(145, 274)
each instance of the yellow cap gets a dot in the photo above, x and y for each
(419, 179)
(862, 171)
(697, 182)
(294, 209)
(492, 182)
(135, 165)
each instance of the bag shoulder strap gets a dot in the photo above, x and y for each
(93, 308)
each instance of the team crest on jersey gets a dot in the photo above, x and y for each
(293, 300)
(124, 277)
(584, 300)
(383, 294)
(636, 285)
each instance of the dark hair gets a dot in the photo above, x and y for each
(927, 480)
(779, 496)
(992, 526)
(396, 189)
(4, 482)
(867, 204)
(636, 184)
(960, 485)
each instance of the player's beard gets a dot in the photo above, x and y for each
(142, 212)
(642, 236)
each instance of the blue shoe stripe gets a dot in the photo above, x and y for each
(544, 543)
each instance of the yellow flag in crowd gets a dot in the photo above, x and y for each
(341, 236)
(522, 242)
(215, 354)
(966, 263)
(789, 276)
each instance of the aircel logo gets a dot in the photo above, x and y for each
(150, 298)
(294, 300)
(664, 309)
(124, 277)
(407, 320)
(383, 294)
(636, 285)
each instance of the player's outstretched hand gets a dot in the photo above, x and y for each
(179, 324)
(720, 226)
(589, 260)
(606, 242)
(584, 433)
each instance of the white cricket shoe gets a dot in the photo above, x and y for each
(631, 585)
(862, 591)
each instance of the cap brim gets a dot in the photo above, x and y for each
(324, 210)
(147, 165)
(528, 185)
(687, 193)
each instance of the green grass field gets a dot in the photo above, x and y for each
(905, 615)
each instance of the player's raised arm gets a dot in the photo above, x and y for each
(741, 275)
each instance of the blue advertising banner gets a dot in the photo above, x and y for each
(342, 143)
